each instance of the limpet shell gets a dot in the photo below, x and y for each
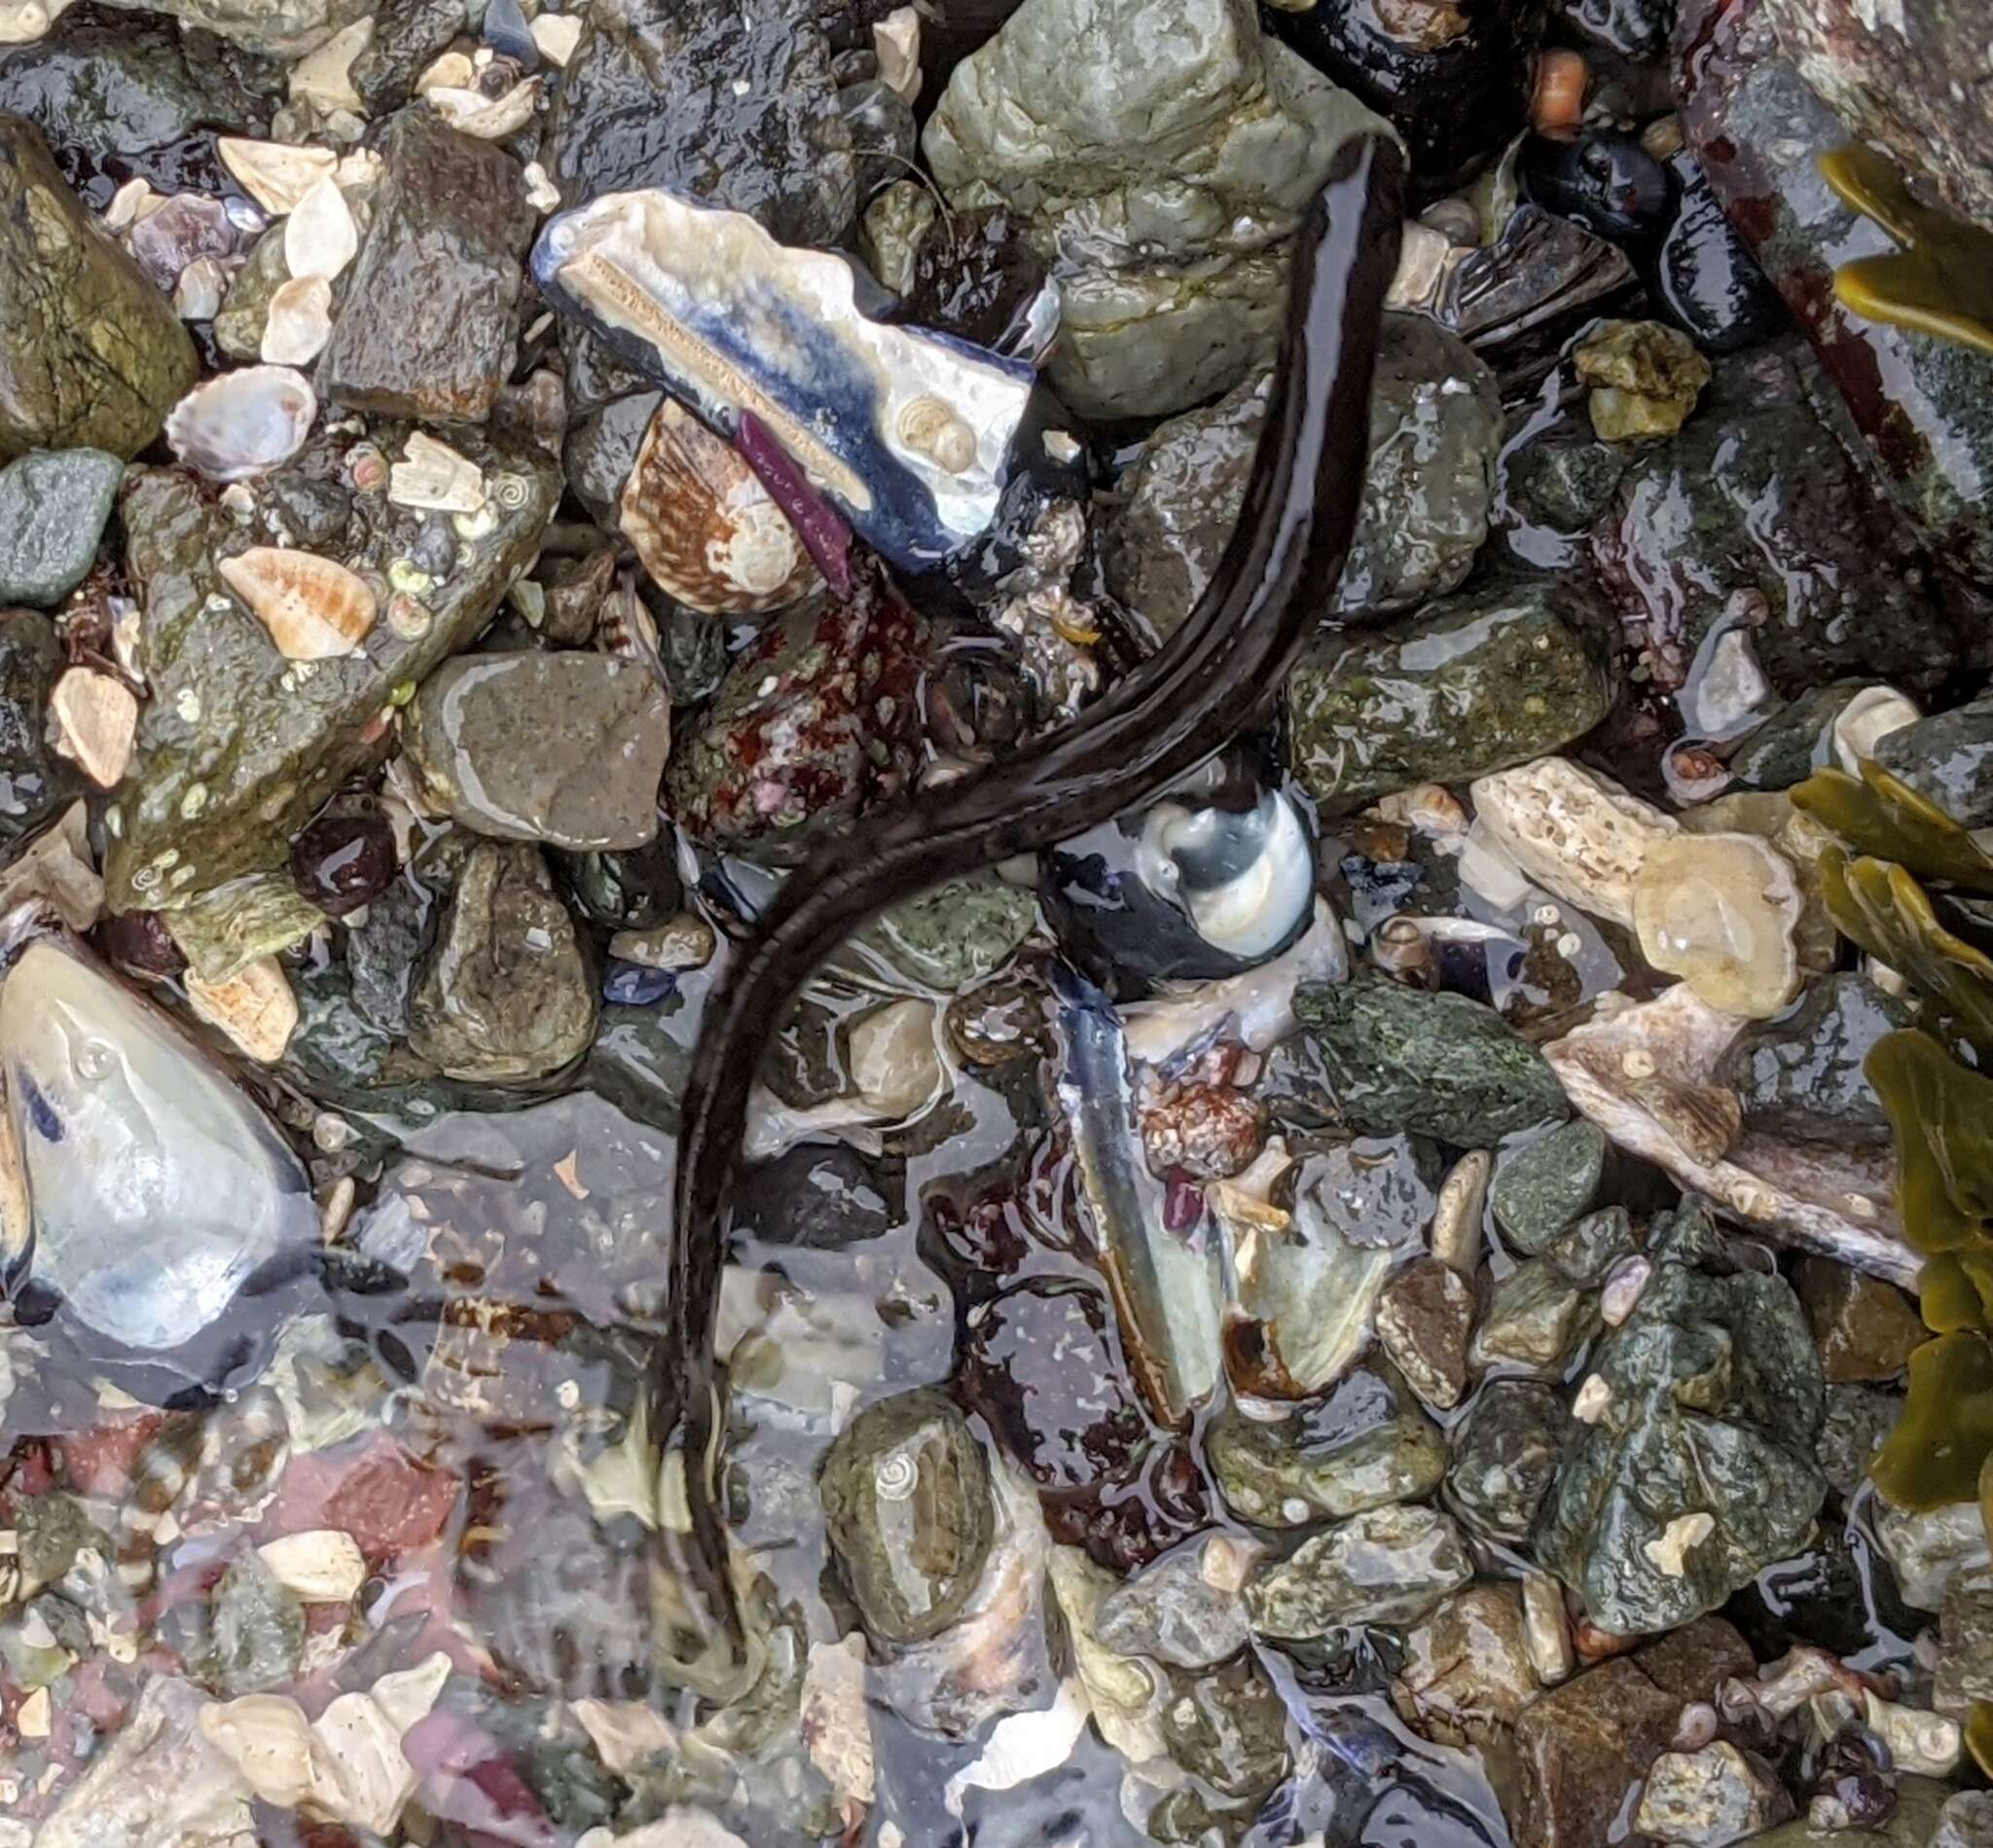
(321, 237)
(314, 608)
(300, 321)
(707, 530)
(273, 174)
(243, 423)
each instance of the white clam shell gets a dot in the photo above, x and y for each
(273, 174)
(299, 322)
(321, 237)
(243, 423)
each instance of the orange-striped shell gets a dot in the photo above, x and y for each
(707, 530)
(314, 608)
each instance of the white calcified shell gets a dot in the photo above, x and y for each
(23, 21)
(243, 423)
(94, 720)
(197, 294)
(321, 237)
(273, 174)
(322, 1564)
(314, 608)
(256, 1009)
(1575, 833)
(324, 77)
(299, 322)
(1866, 720)
(705, 529)
(434, 475)
(490, 118)
(1644, 1074)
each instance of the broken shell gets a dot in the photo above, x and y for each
(94, 719)
(707, 530)
(268, 1739)
(1575, 833)
(471, 112)
(273, 174)
(321, 237)
(257, 1009)
(320, 1566)
(314, 608)
(198, 291)
(1867, 720)
(556, 35)
(243, 424)
(324, 77)
(432, 475)
(896, 45)
(706, 301)
(449, 70)
(1719, 911)
(300, 321)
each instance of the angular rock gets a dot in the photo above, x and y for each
(1863, 1327)
(734, 103)
(1466, 1675)
(1710, 1797)
(1505, 1457)
(1389, 1565)
(53, 506)
(92, 355)
(505, 996)
(1579, 1750)
(1364, 1444)
(1424, 1317)
(1947, 757)
(563, 748)
(1758, 129)
(254, 1630)
(1856, 1420)
(1536, 1323)
(1184, 1610)
(1914, 1823)
(238, 748)
(405, 38)
(244, 313)
(36, 781)
(1541, 1187)
(1698, 1470)
(907, 1498)
(1474, 682)
(1435, 427)
(430, 311)
(1380, 1057)
(1800, 1077)
(812, 717)
(1158, 163)
(1930, 1547)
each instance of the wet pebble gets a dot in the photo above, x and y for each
(1391, 1565)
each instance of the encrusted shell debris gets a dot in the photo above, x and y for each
(489, 118)
(707, 530)
(299, 322)
(256, 1009)
(1575, 833)
(706, 301)
(432, 475)
(321, 237)
(314, 608)
(273, 174)
(243, 423)
(93, 718)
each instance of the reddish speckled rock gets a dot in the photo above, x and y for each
(815, 719)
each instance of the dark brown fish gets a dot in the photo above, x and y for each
(1214, 679)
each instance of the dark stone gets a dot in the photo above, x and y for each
(1863, 1327)
(1701, 271)
(602, 449)
(407, 35)
(35, 784)
(624, 888)
(1924, 403)
(1378, 1057)
(1947, 757)
(384, 954)
(1039, 1365)
(1799, 1077)
(820, 1197)
(1602, 178)
(1539, 1189)
(106, 84)
(1634, 28)
(429, 314)
(1505, 1457)
(1794, 742)
(976, 277)
(1228, 1726)
(1714, 1400)
(1424, 1317)
(1563, 481)
(342, 861)
(732, 102)
(1758, 498)
(92, 355)
(1581, 1750)
(1475, 683)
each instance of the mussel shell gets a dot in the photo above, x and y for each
(1605, 181)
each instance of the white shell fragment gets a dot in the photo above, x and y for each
(489, 118)
(197, 293)
(1866, 720)
(243, 423)
(299, 322)
(556, 35)
(314, 608)
(324, 77)
(323, 1565)
(256, 1009)
(321, 237)
(909, 434)
(1025, 1746)
(432, 475)
(94, 721)
(273, 174)
(23, 21)
(1575, 833)
(896, 43)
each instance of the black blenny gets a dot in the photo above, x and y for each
(1214, 679)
